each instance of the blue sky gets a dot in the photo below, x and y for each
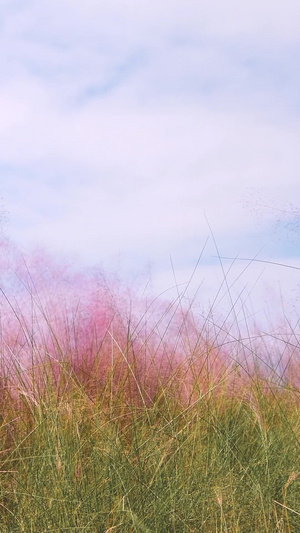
(126, 125)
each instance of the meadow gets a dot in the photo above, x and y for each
(123, 414)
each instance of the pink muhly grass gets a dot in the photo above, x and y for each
(63, 327)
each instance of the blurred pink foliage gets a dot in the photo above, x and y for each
(53, 313)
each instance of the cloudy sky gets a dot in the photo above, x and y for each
(132, 130)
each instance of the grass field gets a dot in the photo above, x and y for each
(125, 416)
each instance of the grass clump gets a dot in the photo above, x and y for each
(77, 464)
(115, 422)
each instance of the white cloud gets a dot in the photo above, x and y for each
(122, 122)
(213, 17)
(163, 168)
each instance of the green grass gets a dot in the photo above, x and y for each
(224, 463)
(155, 422)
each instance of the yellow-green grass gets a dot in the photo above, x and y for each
(118, 421)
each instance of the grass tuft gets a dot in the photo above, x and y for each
(118, 415)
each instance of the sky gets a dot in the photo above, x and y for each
(140, 135)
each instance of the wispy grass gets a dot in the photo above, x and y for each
(118, 415)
